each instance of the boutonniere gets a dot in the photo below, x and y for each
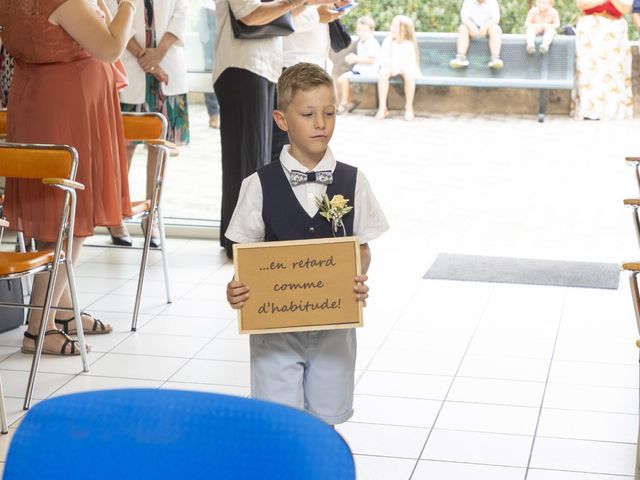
(333, 210)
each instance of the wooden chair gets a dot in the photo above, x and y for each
(55, 166)
(151, 130)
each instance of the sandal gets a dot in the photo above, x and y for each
(64, 351)
(98, 327)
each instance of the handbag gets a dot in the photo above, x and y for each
(340, 38)
(280, 27)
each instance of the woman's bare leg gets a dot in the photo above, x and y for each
(61, 297)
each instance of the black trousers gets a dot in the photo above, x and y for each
(246, 106)
(280, 138)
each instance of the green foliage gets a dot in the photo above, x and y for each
(443, 15)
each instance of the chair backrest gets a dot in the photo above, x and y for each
(144, 126)
(3, 123)
(38, 161)
(169, 434)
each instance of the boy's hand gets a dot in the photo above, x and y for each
(362, 291)
(237, 294)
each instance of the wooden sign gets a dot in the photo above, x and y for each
(299, 285)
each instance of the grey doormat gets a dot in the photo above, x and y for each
(450, 266)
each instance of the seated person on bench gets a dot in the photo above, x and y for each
(479, 18)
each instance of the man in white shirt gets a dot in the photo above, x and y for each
(479, 18)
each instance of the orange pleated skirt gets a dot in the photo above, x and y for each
(74, 103)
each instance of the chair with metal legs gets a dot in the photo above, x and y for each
(19, 235)
(633, 268)
(151, 130)
(55, 166)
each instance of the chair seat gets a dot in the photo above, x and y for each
(12, 263)
(140, 207)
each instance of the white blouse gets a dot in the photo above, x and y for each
(262, 57)
(169, 16)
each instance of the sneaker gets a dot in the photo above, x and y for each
(543, 49)
(496, 63)
(459, 62)
(531, 49)
(214, 121)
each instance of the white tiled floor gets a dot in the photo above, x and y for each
(455, 380)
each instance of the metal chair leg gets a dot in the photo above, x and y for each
(165, 259)
(637, 472)
(40, 340)
(635, 296)
(4, 424)
(76, 313)
(28, 280)
(143, 267)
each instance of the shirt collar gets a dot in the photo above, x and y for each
(289, 163)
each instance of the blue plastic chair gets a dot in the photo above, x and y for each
(171, 434)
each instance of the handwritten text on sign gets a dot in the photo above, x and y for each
(301, 285)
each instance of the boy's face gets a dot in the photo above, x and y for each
(309, 120)
(363, 31)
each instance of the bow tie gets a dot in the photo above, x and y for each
(323, 176)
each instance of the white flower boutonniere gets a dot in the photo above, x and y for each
(333, 210)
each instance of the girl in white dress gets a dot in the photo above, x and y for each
(399, 57)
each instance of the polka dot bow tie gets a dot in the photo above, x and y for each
(323, 176)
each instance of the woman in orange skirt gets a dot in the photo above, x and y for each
(64, 91)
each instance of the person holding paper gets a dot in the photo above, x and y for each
(312, 371)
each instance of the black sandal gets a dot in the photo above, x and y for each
(75, 346)
(98, 327)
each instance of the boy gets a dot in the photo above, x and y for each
(480, 18)
(543, 20)
(366, 61)
(314, 370)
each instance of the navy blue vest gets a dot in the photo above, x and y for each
(285, 219)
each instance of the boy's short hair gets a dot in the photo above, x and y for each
(368, 21)
(301, 77)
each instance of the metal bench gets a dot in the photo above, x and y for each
(555, 70)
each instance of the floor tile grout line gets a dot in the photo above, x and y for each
(469, 402)
(207, 343)
(382, 342)
(581, 471)
(386, 336)
(546, 384)
(490, 295)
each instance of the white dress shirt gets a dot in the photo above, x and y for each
(247, 226)
(368, 49)
(480, 13)
(169, 16)
(262, 57)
